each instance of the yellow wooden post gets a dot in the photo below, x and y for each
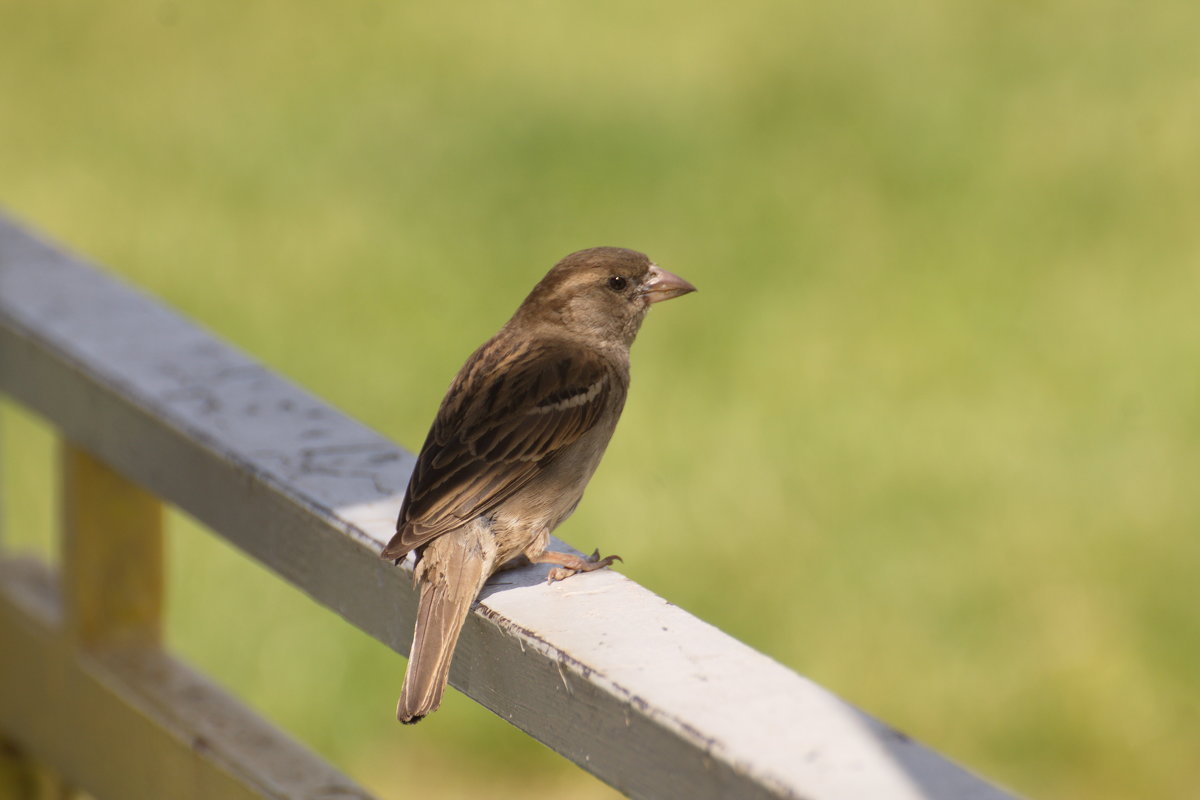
(112, 555)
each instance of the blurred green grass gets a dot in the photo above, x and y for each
(932, 424)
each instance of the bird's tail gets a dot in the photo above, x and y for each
(452, 572)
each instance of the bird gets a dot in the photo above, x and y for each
(513, 445)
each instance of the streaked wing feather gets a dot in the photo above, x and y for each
(482, 448)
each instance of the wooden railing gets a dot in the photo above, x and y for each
(153, 409)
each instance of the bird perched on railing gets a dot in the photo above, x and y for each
(515, 441)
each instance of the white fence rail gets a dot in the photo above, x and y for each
(650, 699)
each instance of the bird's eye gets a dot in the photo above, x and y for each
(617, 283)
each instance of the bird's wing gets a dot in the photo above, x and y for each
(505, 416)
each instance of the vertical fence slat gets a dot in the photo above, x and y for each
(112, 554)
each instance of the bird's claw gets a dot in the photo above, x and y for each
(603, 562)
(576, 565)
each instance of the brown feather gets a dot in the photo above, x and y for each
(478, 454)
(452, 573)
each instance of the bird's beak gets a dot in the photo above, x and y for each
(662, 285)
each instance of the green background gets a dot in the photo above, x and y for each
(929, 433)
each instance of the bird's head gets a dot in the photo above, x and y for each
(602, 291)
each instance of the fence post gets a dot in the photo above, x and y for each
(112, 555)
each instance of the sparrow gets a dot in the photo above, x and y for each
(515, 441)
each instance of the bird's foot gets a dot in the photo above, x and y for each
(570, 564)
